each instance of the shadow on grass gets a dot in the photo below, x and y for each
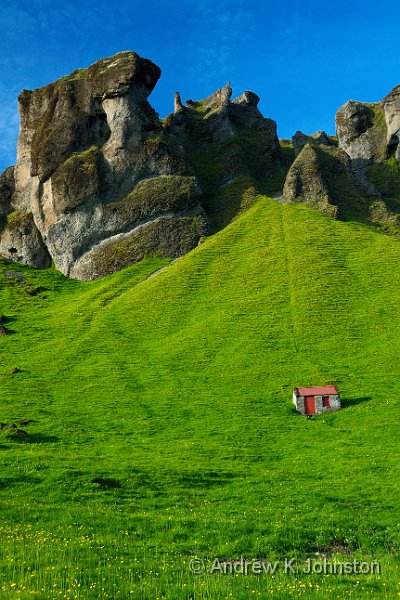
(145, 482)
(106, 483)
(10, 481)
(205, 480)
(347, 402)
(4, 320)
(42, 438)
(33, 290)
(33, 438)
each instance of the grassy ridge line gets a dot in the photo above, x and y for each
(179, 390)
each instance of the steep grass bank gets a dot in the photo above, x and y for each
(163, 426)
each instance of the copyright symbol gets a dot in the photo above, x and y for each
(197, 566)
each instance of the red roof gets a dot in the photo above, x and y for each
(326, 390)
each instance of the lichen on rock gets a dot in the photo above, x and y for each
(78, 179)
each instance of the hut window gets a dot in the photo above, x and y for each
(325, 401)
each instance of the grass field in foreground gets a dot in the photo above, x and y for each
(163, 425)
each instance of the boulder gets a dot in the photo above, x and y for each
(370, 132)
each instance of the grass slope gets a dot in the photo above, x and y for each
(164, 427)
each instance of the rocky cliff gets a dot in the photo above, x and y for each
(356, 175)
(100, 181)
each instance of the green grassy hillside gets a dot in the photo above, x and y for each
(163, 425)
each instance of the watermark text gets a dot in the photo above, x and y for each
(287, 566)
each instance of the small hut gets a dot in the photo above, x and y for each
(316, 400)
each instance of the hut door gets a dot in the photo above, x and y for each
(309, 405)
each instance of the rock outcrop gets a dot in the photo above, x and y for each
(318, 138)
(100, 182)
(21, 241)
(215, 112)
(391, 109)
(362, 133)
(361, 178)
(320, 177)
(259, 137)
(7, 187)
(86, 141)
(370, 132)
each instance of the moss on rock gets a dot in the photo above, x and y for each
(321, 178)
(61, 114)
(18, 220)
(385, 177)
(165, 237)
(168, 193)
(77, 179)
(230, 201)
(7, 188)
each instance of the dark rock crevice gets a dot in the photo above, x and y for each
(393, 145)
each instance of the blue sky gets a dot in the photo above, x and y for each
(304, 59)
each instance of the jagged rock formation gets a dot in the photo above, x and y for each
(86, 142)
(391, 109)
(263, 152)
(321, 177)
(318, 138)
(216, 112)
(370, 132)
(100, 182)
(230, 145)
(362, 133)
(359, 179)
(7, 188)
